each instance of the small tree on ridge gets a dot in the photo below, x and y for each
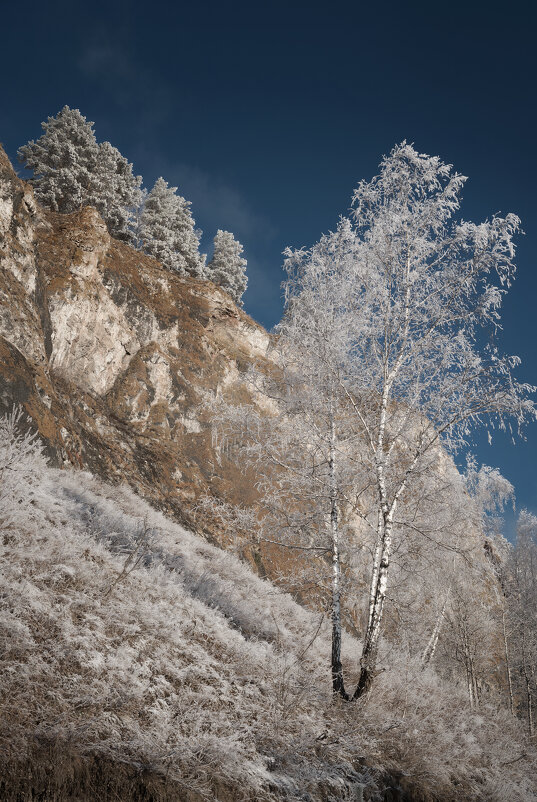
(227, 268)
(167, 231)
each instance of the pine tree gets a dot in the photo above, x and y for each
(167, 232)
(72, 170)
(116, 192)
(227, 267)
(64, 161)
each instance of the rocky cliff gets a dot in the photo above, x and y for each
(112, 356)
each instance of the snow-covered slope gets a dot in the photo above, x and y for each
(130, 640)
(139, 662)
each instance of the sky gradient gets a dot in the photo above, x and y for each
(267, 116)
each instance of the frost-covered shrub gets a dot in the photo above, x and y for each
(427, 734)
(22, 472)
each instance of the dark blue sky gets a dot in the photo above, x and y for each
(267, 115)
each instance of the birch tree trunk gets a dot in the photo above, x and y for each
(338, 685)
(469, 677)
(507, 664)
(529, 691)
(430, 649)
(378, 595)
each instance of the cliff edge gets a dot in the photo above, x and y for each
(111, 355)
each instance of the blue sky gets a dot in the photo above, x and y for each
(267, 115)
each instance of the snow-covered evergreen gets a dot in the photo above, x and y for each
(72, 170)
(63, 160)
(116, 192)
(228, 267)
(167, 231)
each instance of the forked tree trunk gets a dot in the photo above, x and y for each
(386, 512)
(378, 595)
(379, 576)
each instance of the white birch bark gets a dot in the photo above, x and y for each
(430, 649)
(469, 678)
(527, 680)
(507, 663)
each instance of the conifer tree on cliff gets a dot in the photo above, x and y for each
(167, 231)
(63, 160)
(227, 267)
(72, 170)
(116, 192)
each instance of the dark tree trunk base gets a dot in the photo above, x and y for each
(338, 687)
(364, 683)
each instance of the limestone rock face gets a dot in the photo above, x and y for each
(111, 355)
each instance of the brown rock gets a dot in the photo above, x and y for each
(111, 355)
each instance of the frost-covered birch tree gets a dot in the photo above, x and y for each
(426, 287)
(167, 231)
(417, 370)
(301, 442)
(522, 615)
(312, 340)
(490, 493)
(303, 477)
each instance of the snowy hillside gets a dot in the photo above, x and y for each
(139, 662)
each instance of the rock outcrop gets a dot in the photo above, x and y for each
(112, 356)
